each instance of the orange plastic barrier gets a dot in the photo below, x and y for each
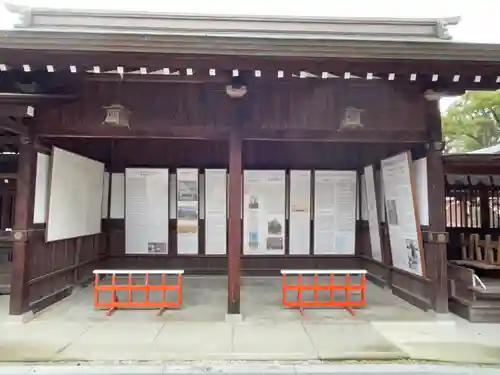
(129, 303)
(348, 286)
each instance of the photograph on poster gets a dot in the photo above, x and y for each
(184, 226)
(188, 191)
(274, 243)
(413, 254)
(274, 240)
(254, 203)
(157, 247)
(188, 212)
(253, 240)
(274, 227)
(392, 212)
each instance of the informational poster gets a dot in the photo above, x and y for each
(402, 218)
(146, 211)
(300, 212)
(372, 208)
(264, 212)
(187, 211)
(201, 195)
(173, 195)
(105, 196)
(335, 212)
(379, 188)
(419, 171)
(215, 212)
(364, 207)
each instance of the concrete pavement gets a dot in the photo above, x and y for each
(448, 340)
(388, 329)
(207, 368)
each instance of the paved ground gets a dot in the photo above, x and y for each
(204, 368)
(389, 329)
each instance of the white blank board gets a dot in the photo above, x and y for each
(419, 170)
(75, 196)
(41, 188)
(105, 196)
(372, 208)
(117, 200)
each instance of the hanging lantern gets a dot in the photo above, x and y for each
(117, 115)
(352, 119)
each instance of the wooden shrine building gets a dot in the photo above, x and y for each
(472, 187)
(138, 90)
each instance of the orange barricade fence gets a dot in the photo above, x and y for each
(122, 289)
(324, 288)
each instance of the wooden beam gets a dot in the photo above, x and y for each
(361, 136)
(14, 126)
(172, 132)
(205, 132)
(234, 223)
(23, 222)
(16, 110)
(8, 176)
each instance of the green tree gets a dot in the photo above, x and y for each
(473, 121)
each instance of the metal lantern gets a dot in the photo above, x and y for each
(117, 115)
(352, 119)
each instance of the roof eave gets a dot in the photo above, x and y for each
(298, 46)
(52, 19)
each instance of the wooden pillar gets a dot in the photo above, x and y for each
(23, 222)
(234, 225)
(484, 211)
(436, 238)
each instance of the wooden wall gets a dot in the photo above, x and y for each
(303, 104)
(419, 291)
(56, 267)
(256, 154)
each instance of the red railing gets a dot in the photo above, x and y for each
(163, 287)
(317, 281)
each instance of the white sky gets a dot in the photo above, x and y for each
(480, 18)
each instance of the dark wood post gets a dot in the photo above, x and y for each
(23, 222)
(436, 238)
(234, 225)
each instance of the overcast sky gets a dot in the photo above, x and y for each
(480, 18)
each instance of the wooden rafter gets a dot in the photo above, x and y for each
(14, 125)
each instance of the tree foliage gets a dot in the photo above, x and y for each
(473, 121)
